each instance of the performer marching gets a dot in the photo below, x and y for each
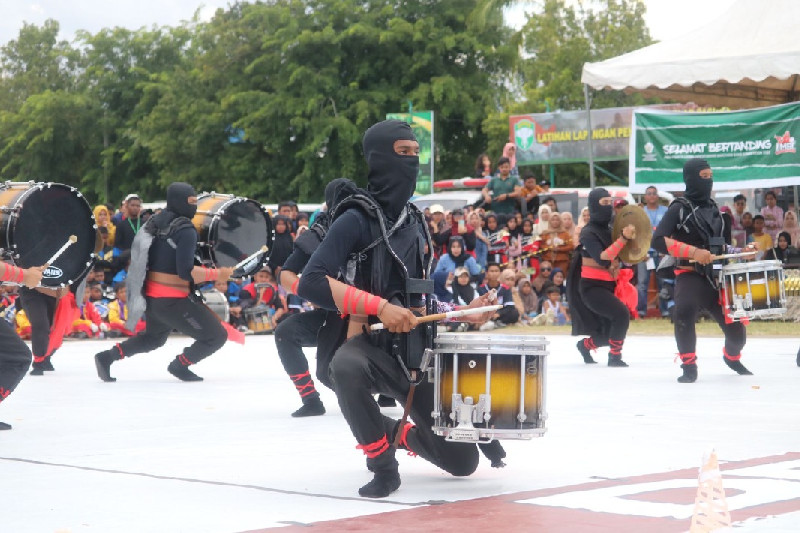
(692, 229)
(300, 330)
(15, 357)
(378, 239)
(166, 249)
(596, 311)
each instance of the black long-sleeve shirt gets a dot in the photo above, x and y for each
(350, 232)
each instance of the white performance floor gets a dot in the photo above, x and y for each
(152, 454)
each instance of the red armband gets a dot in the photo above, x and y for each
(352, 298)
(294, 285)
(615, 248)
(12, 274)
(20, 275)
(681, 250)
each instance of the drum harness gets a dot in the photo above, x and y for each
(716, 244)
(401, 344)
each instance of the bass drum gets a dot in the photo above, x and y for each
(230, 229)
(37, 219)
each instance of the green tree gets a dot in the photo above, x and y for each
(556, 43)
(304, 79)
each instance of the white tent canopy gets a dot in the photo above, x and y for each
(749, 57)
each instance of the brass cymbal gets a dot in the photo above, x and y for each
(635, 250)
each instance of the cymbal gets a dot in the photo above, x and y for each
(635, 250)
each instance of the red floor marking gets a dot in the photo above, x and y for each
(504, 513)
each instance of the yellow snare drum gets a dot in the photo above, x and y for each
(754, 289)
(489, 387)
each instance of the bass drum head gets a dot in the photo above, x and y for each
(240, 229)
(49, 214)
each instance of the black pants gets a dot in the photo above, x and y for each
(693, 292)
(360, 370)
(292, 334)
(598, 297)
(188, 317)
(40, 309)
(15, 358)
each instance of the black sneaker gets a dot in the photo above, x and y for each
(177, 369)
(383, 483)
(102, 362)
(47, 365)
(689, 374)
(37, 369)
(586, 353)
(4, 426)
(312, 408)
(737, 366)
(616, 361)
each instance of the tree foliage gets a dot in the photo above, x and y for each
(270, 99)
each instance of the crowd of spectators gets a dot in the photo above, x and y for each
(514, 241)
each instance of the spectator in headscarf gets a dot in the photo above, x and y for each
(530, 302)
(455, 257)
(783, 250)
(543, 220)
(790, 226)
(510, 151)
(283, 243)
(773, 215)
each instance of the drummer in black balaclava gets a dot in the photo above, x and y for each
(375, 291)
(595, 310)
(169, 261)
(688, 231)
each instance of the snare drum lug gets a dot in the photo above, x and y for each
(522, 417)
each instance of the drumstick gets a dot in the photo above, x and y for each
(72, 239)
(249, 258)
(728, 256)
(449, 314)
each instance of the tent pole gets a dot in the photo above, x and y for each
(589, 135)
(796, 205)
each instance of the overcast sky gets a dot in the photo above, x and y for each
(664, 17)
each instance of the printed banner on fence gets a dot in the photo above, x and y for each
(562, 137)
(422, 125)
(746, 149)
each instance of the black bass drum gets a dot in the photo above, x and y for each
(231, 229)
(37, 219)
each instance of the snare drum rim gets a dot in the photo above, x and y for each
(752, 266)
(28, 188)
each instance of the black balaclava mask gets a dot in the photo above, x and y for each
(599, 214)
(337, 190)
(178, 194)
(392, 177)
(698, 189)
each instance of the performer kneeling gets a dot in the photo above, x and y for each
(15, 356)
(596, 311)
(692, 229)
(167, 289)
(379, 240)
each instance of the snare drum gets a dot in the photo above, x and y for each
(259, 319)
(217, 302)
(37, 219)
(230, 229)
(489, 387)
(753, 289)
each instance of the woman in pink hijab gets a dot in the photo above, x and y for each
(510, 151)
(790, 226)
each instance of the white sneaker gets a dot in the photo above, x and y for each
(489, 326)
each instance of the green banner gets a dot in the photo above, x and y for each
(746, 149)
(422, 125)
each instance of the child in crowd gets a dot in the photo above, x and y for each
(118, 313)
(554, 304)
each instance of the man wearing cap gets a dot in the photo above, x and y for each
(437, 227)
